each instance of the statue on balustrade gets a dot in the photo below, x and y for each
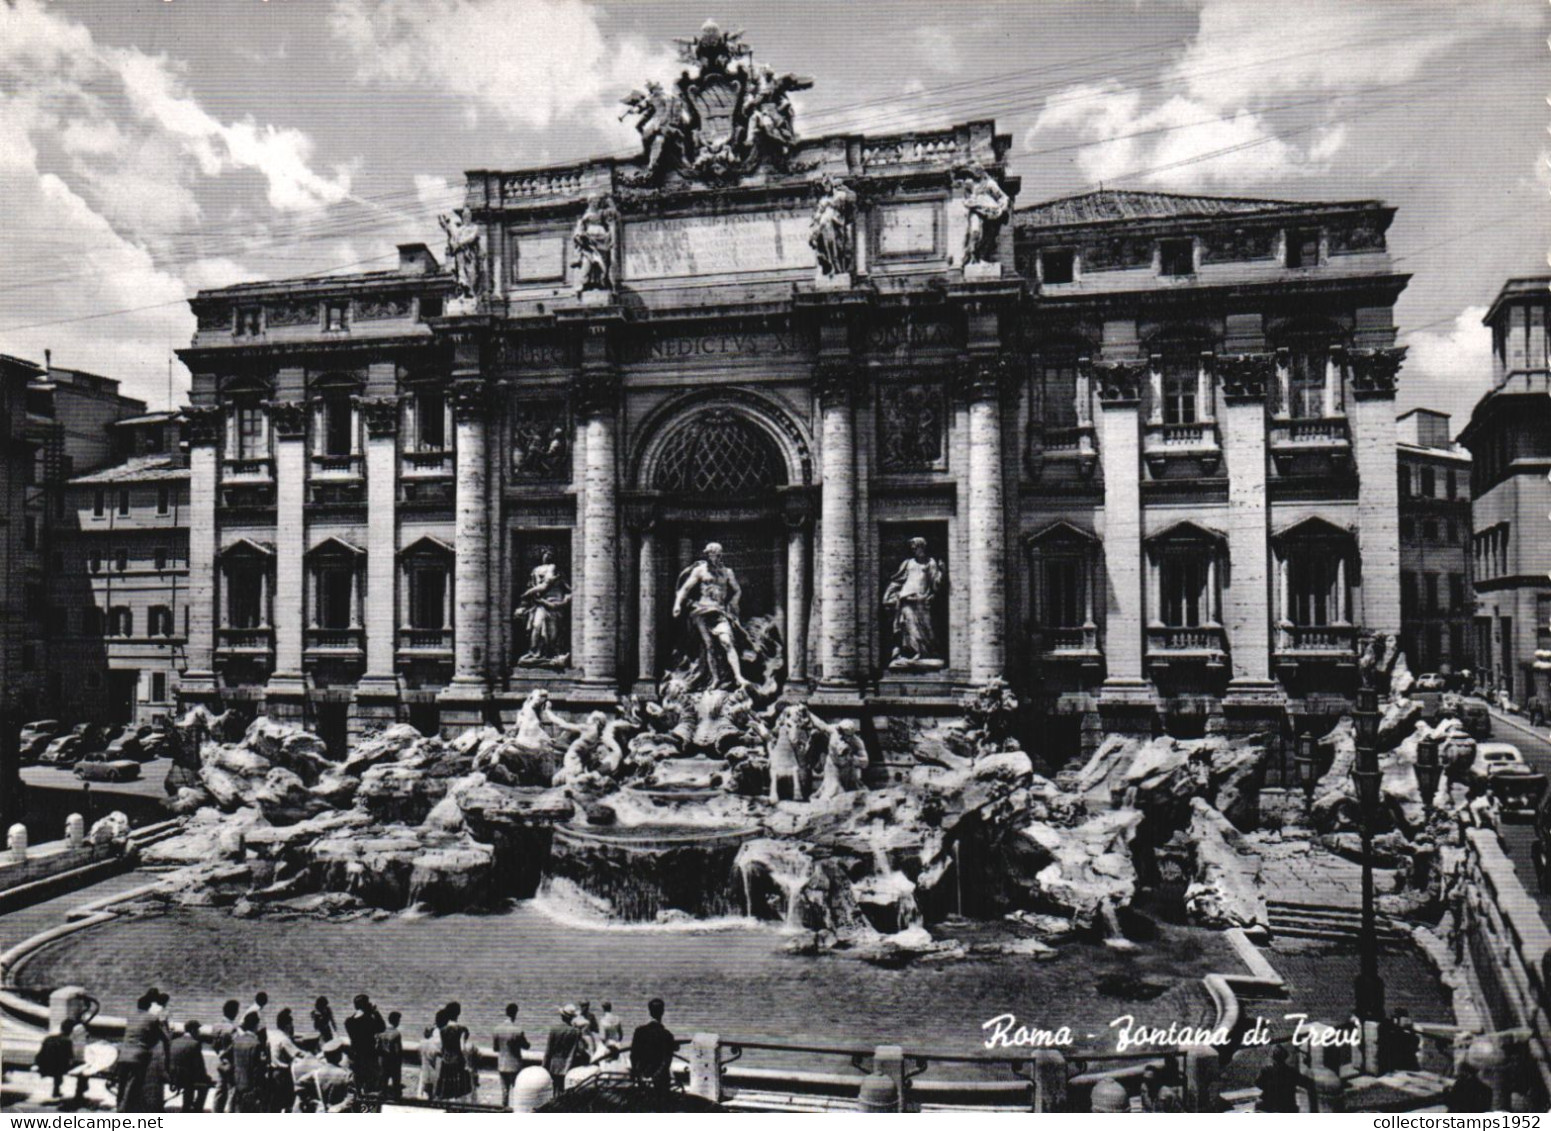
(986, 206)
(769, 129)
(542, 608)
(708, 593)
(910, 596)
(463, 257)
(832, 234)
(666, 124)
(593, 242)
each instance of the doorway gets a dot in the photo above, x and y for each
(122, 691)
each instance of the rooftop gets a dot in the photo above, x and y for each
(1115, 205)
(161, 467)
(1520, 286)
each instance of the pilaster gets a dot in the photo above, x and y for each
(198, 681)
(286, 691)
(1374, 377)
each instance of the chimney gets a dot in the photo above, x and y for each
(48, 363)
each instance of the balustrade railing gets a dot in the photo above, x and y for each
(335, 639)
(336, 467)
(1083, 640)
(425, 639)
(934, 148)
(245, 639)
(1313, 432)
(260, 468)
(427, 464)
(1324, 639)
(1198, 640)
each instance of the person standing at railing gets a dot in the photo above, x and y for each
(560, 1050)
(220, 1037)
(144, 1034)
(613, 1029)
(390, 1057)
(186, 1069)
(361, 1030)
(509, 1042)
(651, 1050)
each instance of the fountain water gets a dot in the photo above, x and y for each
(644, 872)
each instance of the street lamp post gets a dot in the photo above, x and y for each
(1369, 987)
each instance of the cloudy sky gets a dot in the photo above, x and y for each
(152, 147)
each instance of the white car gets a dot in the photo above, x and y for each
(1500, 758)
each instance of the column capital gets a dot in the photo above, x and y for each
(381, 413)
(1118, 384)
(1245, 376)
(289, 418)
(595, 391)
(1375, 372)
(470, 399)
(204, 424)
(835, 380)
(985, 376)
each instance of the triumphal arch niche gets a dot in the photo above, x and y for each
(745, 385)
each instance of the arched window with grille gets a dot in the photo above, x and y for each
(719, 454)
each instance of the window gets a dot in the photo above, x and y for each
(1429, 530)
(1430, 586)
(153, 441)
(1429, 483)
(428, 595)
(244, 596)
(163, 500)
(1177, 257)
(1452, 482)
(30, 533)
(1303, 247)
(1306, 383)
(334, 318)
(161, 560)
(1184, 600)
(59, 621)
(123, 500)
(1314, 584)
(1181, 385)
(1057, 403)
(430, 306)
(1408, 529)
(1403, 475)
(337, 424)
(335, 588)
(1061, 564)
(249, 322)
(121, 621)
(120, 560)
(1057, 266)
(1456, 592)
(251, 440)
(158, 687)
(1065, 592)
(159, 621)
(1408, 594)
(98, 503)
(430, 422)
(1451, 533)
(96, 563)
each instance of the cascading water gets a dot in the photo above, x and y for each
(786, 868)
(643, 873)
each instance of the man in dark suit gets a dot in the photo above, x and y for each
(651, 1050)
(186, 1067)
(560, 1050)
(248, 1058)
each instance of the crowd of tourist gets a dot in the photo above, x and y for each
(265, 1065)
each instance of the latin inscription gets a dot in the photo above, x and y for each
(717, 245)
(708, 346)
(537, 258)
(907, 229)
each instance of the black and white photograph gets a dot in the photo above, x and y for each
(775, 556)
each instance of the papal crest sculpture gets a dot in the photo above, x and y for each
(724, 117)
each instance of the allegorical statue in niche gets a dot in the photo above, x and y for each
(666, 124)
(986, 206)
(463, 256)
(542, 607)
(592, 241)
(910, 595)
(708, 592)
(832, 233)
(769, 126)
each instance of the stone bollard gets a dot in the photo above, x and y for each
(70, 1003)
(705, 1067)
(1049, 1080)
(1487, 1056)
(75, 830)
(532, 1090)
(878, 1093)
(1109, 1097)
(1202, 1068)
(16, 842)
(889, 1060)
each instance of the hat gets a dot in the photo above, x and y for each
(568, 1010)
(580, 1023)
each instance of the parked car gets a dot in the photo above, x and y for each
(1500, 758)
(1473, 712)
(1430, 681)
(35, 738)
(1518, 793)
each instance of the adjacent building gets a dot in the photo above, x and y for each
(1437, 600)
(1148, 438)
(1509, 438)
(21, 630)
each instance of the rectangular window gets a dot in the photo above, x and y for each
(120, 560)
(1303, 247)
(96, 563)
(1058, 396)
(431, 422)
(1306, 384)
(1429, 530)
(30, 533)
(1176, 257)
(99, 503)
(1457, 592)
(163, 500)
(161, 559)
(1181, 384)
(158, 687)
(428, 597)
(1407, 529)
(1313, 579)
(1452, 484)
(336, 590)
(1185, 602)
(338, 421)
(123, 500)
(250, 432)
(1429, 483)
(1430, 586)
(1408, 594)
(244, 599)
(91, 620)
(1451, 533)
(1057, 267)
(1403, 478)
(1065, 592)
(335, 316)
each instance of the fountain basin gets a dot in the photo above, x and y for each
(643, 872)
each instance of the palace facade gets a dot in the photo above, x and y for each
(1148, 439)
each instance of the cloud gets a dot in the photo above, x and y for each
(1449, 368)
(937, 47)
(1219, 119)
(531, 63)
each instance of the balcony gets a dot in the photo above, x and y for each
(1076, 645)
(1327, 437)
(260, 469)
(1335, 643)
(245, 642)
(336, 467)
(347, 644)
(427, 465)
(425, 644)
(1074, 446)
(1197, 441)
(1203, 644)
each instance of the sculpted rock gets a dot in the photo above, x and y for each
(1089, 870)
(284, 799)
(290, 747)
(451, 878)
(389, 745)
(399, 792)
(112, 829)
(1335, 794)
(1225, 890)
(1397, 720)
(206, 835)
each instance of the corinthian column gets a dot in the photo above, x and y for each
(646, 608)
(797, 599)
(984, 382)
(380, 683)
(597, 395)
(837, 519)
(472, 539)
